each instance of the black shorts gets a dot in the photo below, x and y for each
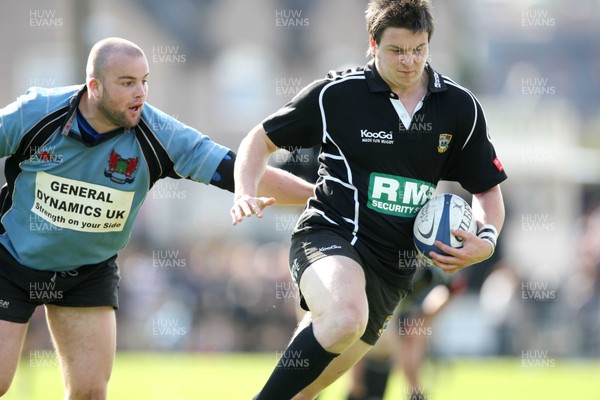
(22, 289)
(383, 295)
(425, 280)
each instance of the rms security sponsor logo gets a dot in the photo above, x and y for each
(380, 137)
(397, 195)
(4, 303)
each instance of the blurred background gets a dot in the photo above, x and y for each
(193, 283)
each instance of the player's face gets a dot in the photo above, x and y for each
(124, 90)
(400, 57)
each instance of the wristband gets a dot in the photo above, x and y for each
(490, 233)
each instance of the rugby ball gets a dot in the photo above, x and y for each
(435, 220)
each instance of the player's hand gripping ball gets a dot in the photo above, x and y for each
(435, 221)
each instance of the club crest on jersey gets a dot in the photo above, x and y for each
(444, 142)
(120, 170)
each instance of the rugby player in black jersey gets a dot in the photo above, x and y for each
(389, 132)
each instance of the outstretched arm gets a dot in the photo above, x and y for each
(287, 188)
(252, 176)
(488, 209)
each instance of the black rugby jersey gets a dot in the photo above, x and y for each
(375, 171)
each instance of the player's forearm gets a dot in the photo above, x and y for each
(488, 208)
(251, 162)
(285, 187)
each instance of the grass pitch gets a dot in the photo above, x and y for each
(168, 376)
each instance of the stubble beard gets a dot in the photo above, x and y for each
(114, 116)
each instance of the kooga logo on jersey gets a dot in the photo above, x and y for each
(377, 135)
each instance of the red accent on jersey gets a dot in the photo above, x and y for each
(498, 164)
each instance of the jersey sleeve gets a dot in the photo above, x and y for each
(31, 108)
(12, 127)
(223, 176)
(477, 168)
(299, 123)
(194, 155)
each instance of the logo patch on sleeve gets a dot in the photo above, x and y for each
(498, 164)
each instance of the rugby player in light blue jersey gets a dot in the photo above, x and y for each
(81, 160)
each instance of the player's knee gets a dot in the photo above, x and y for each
(346, 325)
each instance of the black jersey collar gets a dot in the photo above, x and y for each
(436, 82)
(374, 80)
(377, 84)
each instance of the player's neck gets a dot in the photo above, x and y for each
(411, 96)
(92, 115)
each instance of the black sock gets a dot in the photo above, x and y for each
(300, 365)
(376, 373)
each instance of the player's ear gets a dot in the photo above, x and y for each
(372, 46)
(94, 87)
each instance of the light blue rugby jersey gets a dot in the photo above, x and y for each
(75, 205)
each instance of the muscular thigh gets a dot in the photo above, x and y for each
(331, 282)
(327, 270)
(85, 341)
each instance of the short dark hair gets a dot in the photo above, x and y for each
(414, 15)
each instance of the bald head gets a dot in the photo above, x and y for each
(100, 55)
